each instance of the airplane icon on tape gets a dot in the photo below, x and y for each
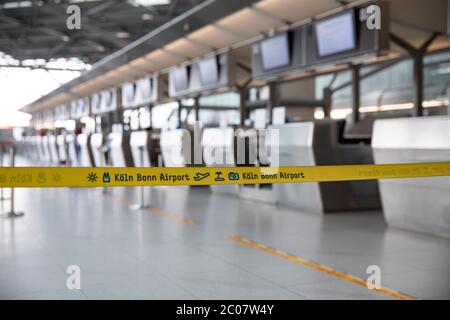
(200, 176)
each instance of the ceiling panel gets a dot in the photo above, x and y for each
(117, 78)
(425, 15)
(249, 22)
(216, 37)
(187, 48)
(40, 31)
(294, 10)
(80, 88)
(128, 70)
(144, 64)
(163, 59)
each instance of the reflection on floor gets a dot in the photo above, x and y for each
(181, 249)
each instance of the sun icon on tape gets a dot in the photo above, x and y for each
(56, 177)
(92, 177)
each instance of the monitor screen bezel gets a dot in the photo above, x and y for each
(96, 101)
(108, 94)
(131, 98)
(352, 14)
(174, 71)
(217, 65)
(148, 82)
(287, 36)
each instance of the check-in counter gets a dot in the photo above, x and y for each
(39, 149)
(148, 142)
(218, 151)
(53, 147)
(72, 153)
(318, 143)
(84, 154)
(172, 148)
(418, 204)
(22, 146)
(180, 148)
(98, 156)
(28, 147)
(249, 146)
(36, 146)
(61, 148)
(120, 151)
(31, 147)
(45, 150)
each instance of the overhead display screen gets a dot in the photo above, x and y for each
(145, 87)
(275, 52)
(82, 106)
(335, 34)
(96, 101)
(180, 78)
(79, 107)
(129, 91)
(108, 96)
(209, 71)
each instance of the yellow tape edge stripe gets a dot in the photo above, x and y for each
(104, 177)
(313, 265)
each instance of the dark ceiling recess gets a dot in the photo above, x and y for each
(37, 29)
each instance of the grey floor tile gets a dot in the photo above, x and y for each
(234, 284)
(290, 274)
(337, 289)
(141, 288)
(53, 295)
(31, 279)
(420, 284)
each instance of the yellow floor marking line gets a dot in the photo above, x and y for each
(313, 265)
(127, 177)
(162, 213)
(126, 200)
(171, 216)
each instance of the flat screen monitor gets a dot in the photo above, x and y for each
(275, 52)
(96, 101)
(146, 87)
(209, 71)
(108, 98)
(180, 77)
(129, 91)
(82, 106)
(335, 34)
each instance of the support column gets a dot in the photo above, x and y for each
(179, 114)
(327, 101)
(418, 84)
(117, 116)
(417, 55)
(272, 102)
(448, 97)
(243, 111)
(356, 92)
(197, 108)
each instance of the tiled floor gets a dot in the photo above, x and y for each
(125, 254)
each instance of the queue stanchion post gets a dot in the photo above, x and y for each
(104, 149)
(12, 213)
(141, 189)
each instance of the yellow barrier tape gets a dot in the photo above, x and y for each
(104, 177)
